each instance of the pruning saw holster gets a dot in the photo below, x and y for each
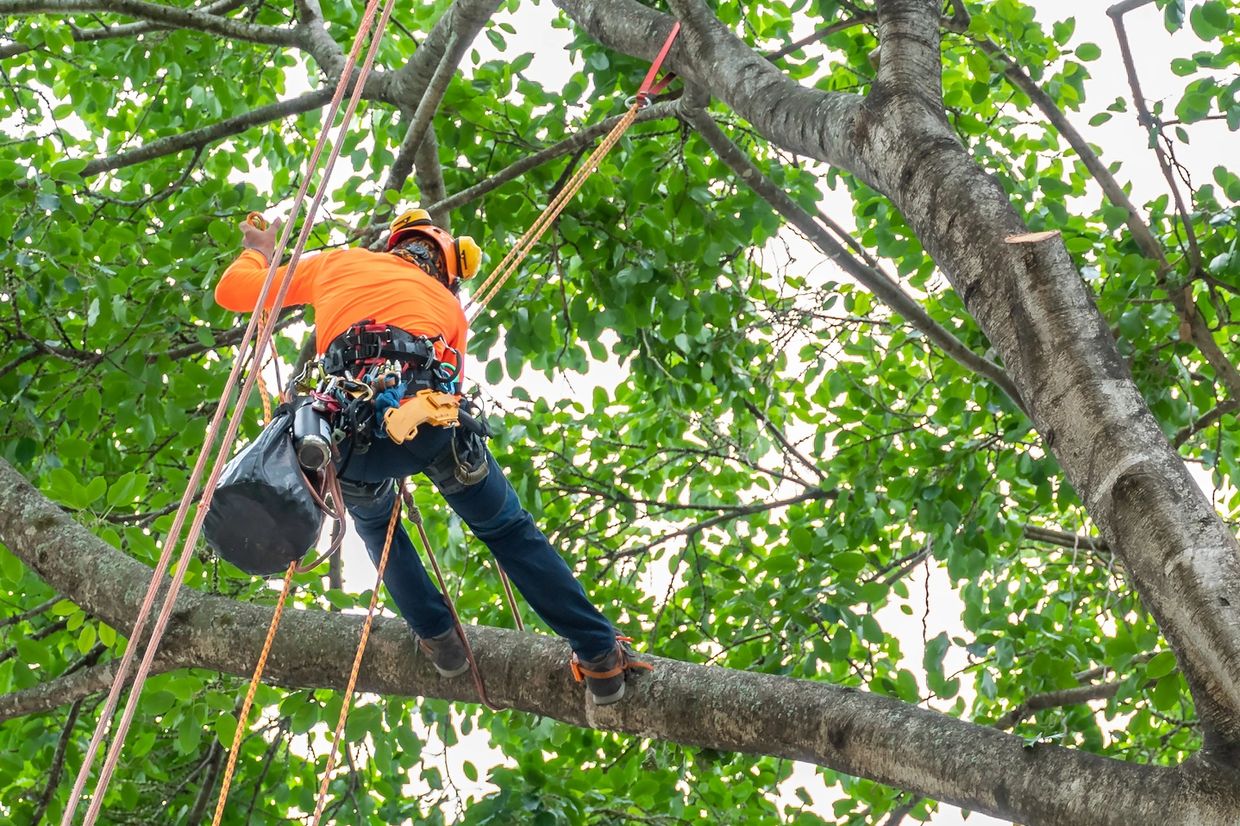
(424, 407)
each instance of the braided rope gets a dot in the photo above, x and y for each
(504, 270)
(357, 664)
(244, 715)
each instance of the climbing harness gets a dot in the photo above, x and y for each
(259, 344)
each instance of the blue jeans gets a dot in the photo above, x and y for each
(491, 510)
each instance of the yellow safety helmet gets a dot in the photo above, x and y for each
(463, 255)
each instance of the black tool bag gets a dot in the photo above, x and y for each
(263, 515)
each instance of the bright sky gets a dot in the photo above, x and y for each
(1121, 139)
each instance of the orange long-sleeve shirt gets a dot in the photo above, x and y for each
(347, 286)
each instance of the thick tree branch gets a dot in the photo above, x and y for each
(908, 36)
(163, 16)
(708, 56)
(428, 175)
(209, 134)
(851, 731)
(119, 30)
(882, 286)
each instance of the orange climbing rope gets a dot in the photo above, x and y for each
(244, 714)
(485, 291)
(259, 345)
(357, 664)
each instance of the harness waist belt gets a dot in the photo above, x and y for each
(367, 343)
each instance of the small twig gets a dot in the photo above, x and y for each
(1229, 406)
(33, 612)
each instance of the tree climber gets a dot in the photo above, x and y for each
(403, 304)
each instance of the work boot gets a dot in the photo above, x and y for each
(604, 676)
(447, 653)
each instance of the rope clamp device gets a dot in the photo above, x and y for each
(649, 87)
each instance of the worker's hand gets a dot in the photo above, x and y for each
(262, 240)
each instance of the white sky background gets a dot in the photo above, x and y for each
(1121, 138)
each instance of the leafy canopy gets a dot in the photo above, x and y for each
(680, 336)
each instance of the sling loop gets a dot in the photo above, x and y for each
(506, 267)
(259, 346)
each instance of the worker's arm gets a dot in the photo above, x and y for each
(239, 286)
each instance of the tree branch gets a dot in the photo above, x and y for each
(877, 282)
(819, 34)
(1056, 699)
(462, 21)
(852, 731)
(107, 32)
(33, 612)
(771, 428)
(809, 495)
(1229, 406)
(1149, 246)
(71, 687)
(162, 16)
(209, 134)
(579, 139)
(58, 763)
(1065, 540)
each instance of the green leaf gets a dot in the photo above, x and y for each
(1088, 51)
(1160, 665)
(1166, 693)
(127, 488)
(225, 729)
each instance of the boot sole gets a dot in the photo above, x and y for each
(455, 672)
(610, 698)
